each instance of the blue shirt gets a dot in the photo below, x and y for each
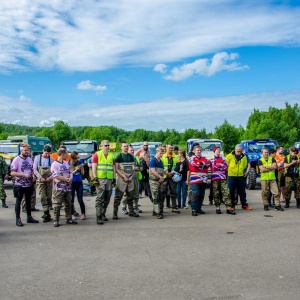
(77, 177)
(154, 163)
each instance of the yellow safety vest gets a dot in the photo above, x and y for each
(236, 168)
(165, 162)
(267, 175)
(140, 176)
(105, 167)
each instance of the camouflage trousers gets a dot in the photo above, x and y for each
(104, 190)
(269, 186)
(157, 191)
(135, 194)
(118, 197)
(59, 198)
(2, 191)
(45, 192)
(169, 183)
(33, 199)
(221, 192)
(288, 190)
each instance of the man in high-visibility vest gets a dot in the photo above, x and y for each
(292, 180)
(267, 166)
(169, 160)
(104, 176)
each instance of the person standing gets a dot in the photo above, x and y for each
(181, 187)
(219, 182)
(238, 169)
(144, 151)
(3, 176)
(169, 160)
(62, 175)
(124, 164)
(42, 171)
(197, 177)
(267, 166)
(280, 157)
(292, 181)
(104, 173)
(22, 169)
(76, 166)
(156, 180)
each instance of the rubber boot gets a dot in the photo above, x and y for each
(115, 213)
(287, 204)
(47, 217)
(99, 220)
(298, 202)
(4, 204)
(103, 214)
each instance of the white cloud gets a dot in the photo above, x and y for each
(96, 35)
(87, 85)
(203, 66)
(199, 112)
(161, 68)
(24, 98)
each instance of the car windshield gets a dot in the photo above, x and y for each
(80, 147)
(9, 148)
(209, 146)
(258, 146)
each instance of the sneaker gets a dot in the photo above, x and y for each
(133, 215)
(247, 207)
(266, 207)
(56, 223)
(47, 219)
(76, 214)
(19, 222)
(124, 211)
(70, 221)
(140, 196)
(137, 211)
(4, 205)
(231, 211)
(175, 210)
(185, 207)
(194, 213)
(279, 208)
(160, 216)
(73, 217)
(218, 211)
(83, 217)
(31, 220)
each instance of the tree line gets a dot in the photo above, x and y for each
(281, 124)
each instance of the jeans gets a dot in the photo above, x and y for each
(181, 189)
(239, 183)
(77, 187)
(198, 193)
(28, 193)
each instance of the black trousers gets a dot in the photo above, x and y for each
(19, 196)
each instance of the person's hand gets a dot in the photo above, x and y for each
(125, 179)
(169, 174)
(42, 179)
(48, 179)
(161, 179)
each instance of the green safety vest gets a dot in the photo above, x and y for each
(105, 166)
(165, 162)
(288, 159)
(236, 168)
(267, 175)
(140, 176)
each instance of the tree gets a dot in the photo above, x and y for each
(61, 131)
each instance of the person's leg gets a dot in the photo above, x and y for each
(73, 190)
(67, 197)
(154, 186)
(265, 189)
(184, 188)
(79, 191)
(178, 192)
(242, 190)
(2, 193)
(19, 196)
(288, 191)
(173, 193)
(117, 201)
(202, 188)
(42, 192)
(130, 196)
(195, 199)
(217, 196)
(275, 192)
(232, 187)
(57, 204)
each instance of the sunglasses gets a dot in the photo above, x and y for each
(106, 145)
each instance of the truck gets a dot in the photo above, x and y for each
(252, 149)
(9, 150)
(152, 146)
(112, 146)
(85, 148)
(36, 143)
(297, 145)
(207, 146)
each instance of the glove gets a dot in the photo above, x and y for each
(113, 182)
(95, 181)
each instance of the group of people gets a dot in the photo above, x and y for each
(171, 177)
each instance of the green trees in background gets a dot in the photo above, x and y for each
(281, 124)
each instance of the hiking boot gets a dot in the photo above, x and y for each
(124, 211)
(56, 223)
(194, 213)
(200, 211)
(287, 204)
(175, 210)
(19, 222)
(137, 210)
(133, 214)
(99, 220)
(47, 219)
(30, 219)
(4, 205)
(266, 207)
(154, 213)
(246, 207)
(115, 217)
(104, 218)
(271, 205)
(160, 216)
(279, 208)
(71, 222)
(218, 211)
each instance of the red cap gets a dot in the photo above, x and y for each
(215, 148)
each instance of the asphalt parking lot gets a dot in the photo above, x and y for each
(253, 255)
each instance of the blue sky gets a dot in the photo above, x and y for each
(147, 64)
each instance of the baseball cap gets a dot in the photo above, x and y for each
(176, 148)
